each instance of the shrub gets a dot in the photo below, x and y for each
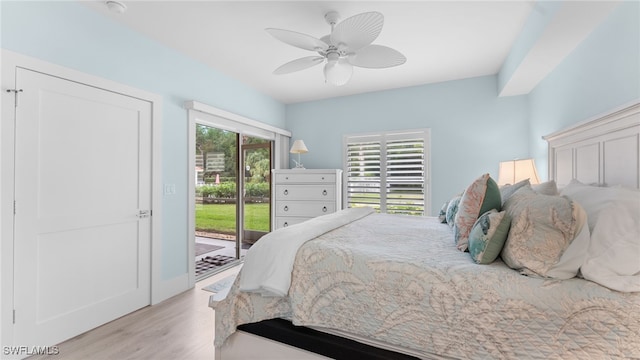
(227, 190)
(260, 189)
(206, 190)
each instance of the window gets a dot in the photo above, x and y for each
(388, 171)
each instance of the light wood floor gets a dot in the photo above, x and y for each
(178, 328)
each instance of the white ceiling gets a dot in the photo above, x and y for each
(442, 40)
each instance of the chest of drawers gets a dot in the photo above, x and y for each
(299, 195)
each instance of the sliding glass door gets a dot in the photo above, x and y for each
(256, 211)
(232, 196)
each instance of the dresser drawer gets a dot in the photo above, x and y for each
(305, 178)
(299, 195)
(284, 221)
(304, 209)
(305, 192)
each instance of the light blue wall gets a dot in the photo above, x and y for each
(602, 73)
(72, 35)
(472, 129)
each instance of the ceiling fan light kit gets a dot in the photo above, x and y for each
(348, 45)
(337, 70)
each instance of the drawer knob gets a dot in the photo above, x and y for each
(324, 192)
(324, 209)
(286, 208)
(285, 224)
(286, 192)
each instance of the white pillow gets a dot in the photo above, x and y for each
(592, 198)
(613, 258)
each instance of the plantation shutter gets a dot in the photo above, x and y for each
(388, 171)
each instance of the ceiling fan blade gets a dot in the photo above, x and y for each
(376, 57)
(357, 31)
(299, 64)
(297, 39)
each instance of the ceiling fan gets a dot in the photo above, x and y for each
(348, 45)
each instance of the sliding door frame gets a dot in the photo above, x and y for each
(203, 114)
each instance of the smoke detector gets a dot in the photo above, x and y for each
(116, 6)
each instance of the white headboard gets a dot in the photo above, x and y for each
(603, 151)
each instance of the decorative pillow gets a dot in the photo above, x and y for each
(452, 210)
(575, 255)
(442, 215)
(481, 196)
(507, 190)
(542, 228)
(488, 236)
(546, 188)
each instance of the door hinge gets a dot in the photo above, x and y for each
(15, 91)
(14, 316)
(14, 207)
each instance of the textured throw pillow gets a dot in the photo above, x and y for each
(452, 210)
(507, 190)
(442, 215)
(481, 196)
(546, 188)
(575, 255)
(542, 228)
(488, 236)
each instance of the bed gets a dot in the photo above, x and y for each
(340, 288)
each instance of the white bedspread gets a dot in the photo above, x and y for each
(269, 262)
(400, 280)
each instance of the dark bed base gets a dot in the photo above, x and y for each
(328, 345)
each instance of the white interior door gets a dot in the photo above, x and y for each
(83, 183)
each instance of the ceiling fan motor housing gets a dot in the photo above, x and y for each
(332, 18)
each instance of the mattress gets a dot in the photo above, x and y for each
(399, 280)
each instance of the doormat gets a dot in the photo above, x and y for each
(211, 262)
(202, 248)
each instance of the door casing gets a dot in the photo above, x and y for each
(210, 116)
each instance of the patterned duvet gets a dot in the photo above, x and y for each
(401, 281)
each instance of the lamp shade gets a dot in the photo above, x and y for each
(513, 171)
(299, 147)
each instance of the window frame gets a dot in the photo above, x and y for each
(385, 137)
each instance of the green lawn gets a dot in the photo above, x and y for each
(222, 217)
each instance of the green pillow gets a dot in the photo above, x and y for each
(488, 235)
(481, 196)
